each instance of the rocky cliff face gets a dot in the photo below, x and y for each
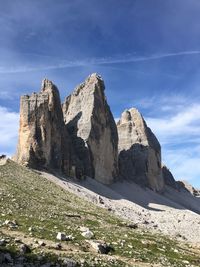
(139, 151)
(41, 129)
(80, 137)
(93, 131)
(169, 178)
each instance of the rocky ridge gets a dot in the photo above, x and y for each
(81, 139)
(78, 138)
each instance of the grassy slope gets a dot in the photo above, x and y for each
(31, 200)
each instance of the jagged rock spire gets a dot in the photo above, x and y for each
(41, 128)
(93, 130)
(139, 151)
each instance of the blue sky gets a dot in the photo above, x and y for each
(147, 51)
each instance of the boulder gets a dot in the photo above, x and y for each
(100, 246)
(87, 234)
(61, 236)
(24, 249)
(93, 131)
(41, 129)
(139, 151)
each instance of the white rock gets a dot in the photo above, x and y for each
(41, 243)
(69, 237)
(88, 234)
(84, 229)
(61, 236)
(100, 246)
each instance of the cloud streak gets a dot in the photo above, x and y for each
(185, 125)
(179, 136)
(9, 123)
(21, 68)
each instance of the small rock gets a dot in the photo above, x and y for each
(58, 246)
(31, 229)
(84, 229)
(24, 249)
(69, 238)
(100, 200)
(41, 243)
(100, 247)
(7, 222)
(61, 236)
(87, 234)
(11, 224)
(132, 225)
(186, 262)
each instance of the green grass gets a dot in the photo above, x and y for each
(31, 200)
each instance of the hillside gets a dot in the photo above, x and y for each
(34, 209)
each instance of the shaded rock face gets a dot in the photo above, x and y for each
(139, 151)
(93, 131)
(178, 185)
(169, 178)
(41, 129)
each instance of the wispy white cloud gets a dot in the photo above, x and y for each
(9, 123)
(184, 163)
(184, 125)
(179, 135)
(18, 68)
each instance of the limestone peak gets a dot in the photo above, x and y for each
(139, 151)
(47, 85)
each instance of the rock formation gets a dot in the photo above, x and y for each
(139, 151)
(184, 185)
(93, 131)
(178, 185)
(41, 128)
(169, 178)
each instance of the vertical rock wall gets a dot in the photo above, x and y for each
(92, 130)
(139, 151)
(41, 129)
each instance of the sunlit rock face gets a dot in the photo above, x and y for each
(93, 131)
(41, 128)
(139, 151)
